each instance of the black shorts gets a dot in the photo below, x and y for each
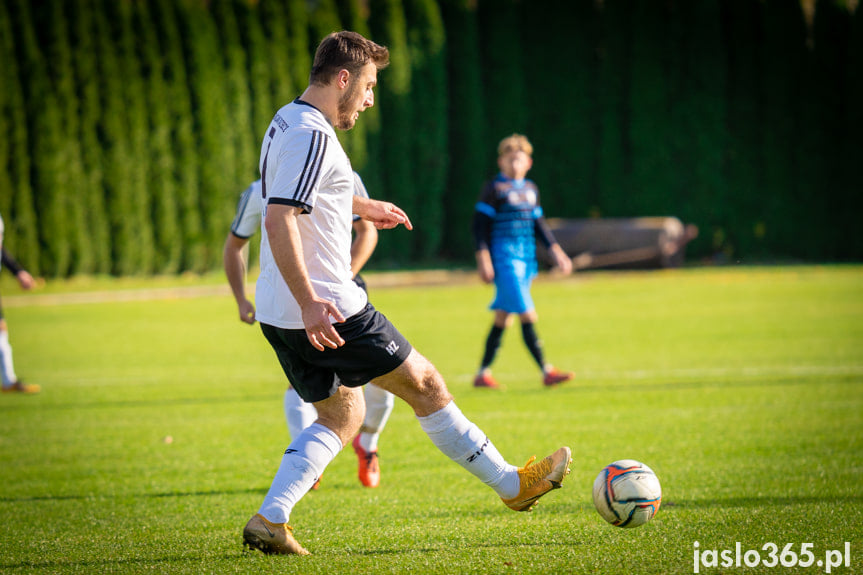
(373, 347)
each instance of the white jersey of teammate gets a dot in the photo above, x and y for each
(303, 165)
(247, 220)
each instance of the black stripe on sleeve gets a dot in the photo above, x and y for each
(323, 149)
(312, 167)
(307, 209)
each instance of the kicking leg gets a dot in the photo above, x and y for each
(418, 383)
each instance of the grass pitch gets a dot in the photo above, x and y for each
(741, 387)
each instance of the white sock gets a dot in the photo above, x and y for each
(379, 405)
(302, 465)
(464, 443)
(7, 369)
(298, 413)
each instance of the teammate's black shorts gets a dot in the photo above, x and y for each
(373, 347)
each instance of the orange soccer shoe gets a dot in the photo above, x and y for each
(485, 380)
(369, 470)
(552, 377)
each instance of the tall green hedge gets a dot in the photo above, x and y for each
(130, 128)
(426, 39)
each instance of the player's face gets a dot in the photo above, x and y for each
(358, 95)
(515, 164)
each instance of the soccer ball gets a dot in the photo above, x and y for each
(627, 493)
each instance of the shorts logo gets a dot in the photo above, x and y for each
(392, 348)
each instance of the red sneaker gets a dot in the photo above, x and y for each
(317, 484)
(485, 380)
(553, 377)
(369, 470)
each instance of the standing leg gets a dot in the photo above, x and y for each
(492, 344)
(298, 413)
(550, 375)
(307, 456)
(7, 367)
(379, 405)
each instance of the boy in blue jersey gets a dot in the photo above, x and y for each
(507, 222)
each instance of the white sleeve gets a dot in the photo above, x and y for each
(302, 160)
(247, 221)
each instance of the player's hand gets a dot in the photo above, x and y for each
(386, 215)
(247, 312)
(484, 266)
(25, 280)
(486, 274)
(563, 262)
(319, 329)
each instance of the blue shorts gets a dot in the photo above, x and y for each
(512, 282)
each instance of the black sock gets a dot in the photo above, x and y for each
(492, 343)
(533, 344)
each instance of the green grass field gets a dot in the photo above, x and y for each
(741, 387)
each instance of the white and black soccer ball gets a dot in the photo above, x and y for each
(627, 493)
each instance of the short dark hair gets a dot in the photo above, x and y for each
(345, 50)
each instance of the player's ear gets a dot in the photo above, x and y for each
(343, 78)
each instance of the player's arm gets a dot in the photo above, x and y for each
(25, 280)
(363, 245)
(544, 235)
(283, 234)
(235, 269)
(384, 215)
(482, 223)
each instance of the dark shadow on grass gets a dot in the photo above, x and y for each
(155, 402)
(754, 501)
(592, 385)
(244, 491)
(763, 501)
(93, 566)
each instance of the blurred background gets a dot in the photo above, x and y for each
(130, 127)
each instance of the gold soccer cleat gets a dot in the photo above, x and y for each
(538, 479)
(271, 538)
(21, 387)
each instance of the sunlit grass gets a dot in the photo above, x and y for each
(740, 387)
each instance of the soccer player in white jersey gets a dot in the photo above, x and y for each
(328, 338)
(11, 383)
(298, 413)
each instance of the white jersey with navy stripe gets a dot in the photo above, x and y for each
(303, 165)
(247, 221)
